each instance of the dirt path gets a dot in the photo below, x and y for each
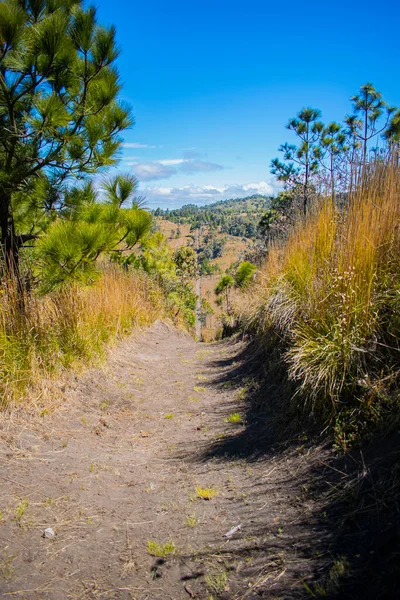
(117, 473)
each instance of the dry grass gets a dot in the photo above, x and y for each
(55, 331)
(332, 293)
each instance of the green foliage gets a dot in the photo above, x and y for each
(207, 493)
(163, 550)
(235, 418)
(206, 268)
(300, 161)
(332, 157)
(216, 581)
(60, 113)
(158, 260)
(244, 274)
(205, 310)
(191, 520)
(67, 252)
(186, 262)
(224, 284)
(392, 133)
(368, 106)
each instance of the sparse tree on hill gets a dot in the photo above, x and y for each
(363, 125)
(329, 152)
(223, 286)
(300, 163)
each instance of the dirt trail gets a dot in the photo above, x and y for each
(117, 466)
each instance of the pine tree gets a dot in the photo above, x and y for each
(300, 163)
(88, 227)
(60, 115)
(329, 152)
(363, 125)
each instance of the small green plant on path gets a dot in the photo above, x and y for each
(7, 568)
(241, 393)
(21, 509)
(216, 581)
(162, 550)
(191, 520)
(199, 389)
(207, 493)
(169, 416)
(234, 418)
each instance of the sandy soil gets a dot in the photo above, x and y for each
(117, 469)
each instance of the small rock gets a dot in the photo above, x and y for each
(48, 533)
(232, 531)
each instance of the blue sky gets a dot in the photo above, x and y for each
(213, 83)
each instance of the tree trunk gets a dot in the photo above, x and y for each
(305, 187)
(365, 138)
(9, 243)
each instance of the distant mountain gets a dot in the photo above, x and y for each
(235, 216)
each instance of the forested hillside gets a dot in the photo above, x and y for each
(237, 216)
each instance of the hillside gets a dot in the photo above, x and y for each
(223, 234)
(236, 216)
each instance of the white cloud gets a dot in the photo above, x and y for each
(173, 197)
(153, 170)
(162, 169)
(136, 145)
(172, 161)
(194, 166)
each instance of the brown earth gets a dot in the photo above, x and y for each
(119, 465)
(170, 229)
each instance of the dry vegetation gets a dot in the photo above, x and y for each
(53, 332)
(332, 297)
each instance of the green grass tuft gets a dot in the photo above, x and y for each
(234, 418)
(162, 550)
(205, 493)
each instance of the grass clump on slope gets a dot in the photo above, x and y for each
(53, 332)
(332, 294)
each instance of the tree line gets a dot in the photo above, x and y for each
(331, 158)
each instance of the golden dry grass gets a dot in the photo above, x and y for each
(332, 292)
(56, 331)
